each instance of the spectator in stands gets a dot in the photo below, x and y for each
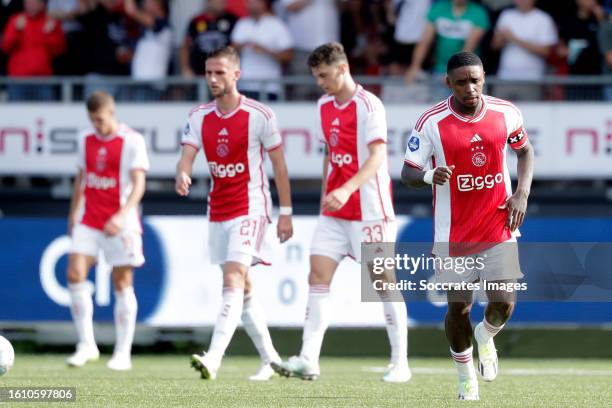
(7, 9)
(180, 15)
(238, 7)
(579, 47)
(379, 34)
(353, 28)
(454, 26)
(605, 45)
(496, 5)
(111, 47)
(409, 18)
(265, 44)
(31, 40)
(154, 47)
(71, 62)
(525, 35)
(302, 16)
(206, 32)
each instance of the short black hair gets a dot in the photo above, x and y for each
(329, 54)
(462, 59)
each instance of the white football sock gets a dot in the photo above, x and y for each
(316, 322)
(255, 325)
(464, 365)
(226, 324)
(126, 309)
(487, 332)
(396, 321)
(81, 307)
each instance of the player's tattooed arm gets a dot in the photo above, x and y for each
(284, 228)
(116, 223)
(517, 203)
(75, 202)
(182, 181)
(416, 178)
(336, 199)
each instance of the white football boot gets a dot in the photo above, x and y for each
(468, 390)
(487, 355)
(206, 367)
(120, 362)
(83, 354)
(264, 373)
(398, 373)
(297, 367)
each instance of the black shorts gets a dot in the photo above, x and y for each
(402, 53)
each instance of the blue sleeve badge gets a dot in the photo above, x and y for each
(414, 143)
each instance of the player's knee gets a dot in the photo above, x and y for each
(322, 270)
(459, 309)
(122, 278)
(120, 284)
(503, 309)
(318, 277)
(234, 275)
(75, 273)
(248, 285)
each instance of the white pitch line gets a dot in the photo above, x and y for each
(505, 371)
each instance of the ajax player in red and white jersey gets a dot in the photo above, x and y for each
(234, 133)
(459, 146)
(356, 206)
(104, 217)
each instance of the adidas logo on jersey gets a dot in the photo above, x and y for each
(223, 132)
(476, 138)
(336, 122)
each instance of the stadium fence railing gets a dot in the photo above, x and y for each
(294, 88)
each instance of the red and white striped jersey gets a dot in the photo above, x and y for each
(234, 144)
(106, 163)
(347, 130)
(466, 210)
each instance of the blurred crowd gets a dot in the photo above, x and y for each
(151, 39)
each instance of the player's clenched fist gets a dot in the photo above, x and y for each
(442, 174)
(115, 224)
(182, 184)
(336, 199)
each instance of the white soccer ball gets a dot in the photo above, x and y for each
(7, 355)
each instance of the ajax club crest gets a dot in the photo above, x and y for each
(222, 150)
(479, 159)
(101, 158)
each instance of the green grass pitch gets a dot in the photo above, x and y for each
(168, 381)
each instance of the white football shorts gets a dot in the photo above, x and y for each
(499, 262)
(242, 239)
(123, 249)
(336, 238)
